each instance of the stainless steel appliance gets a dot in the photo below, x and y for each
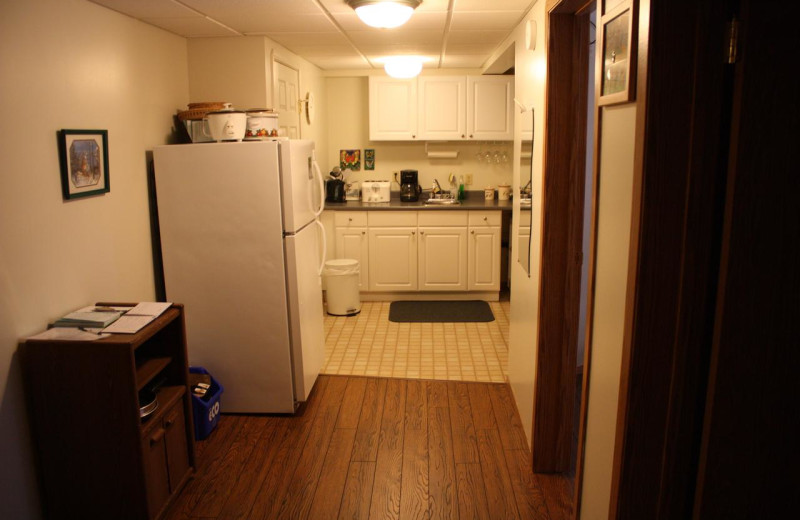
(409, 186)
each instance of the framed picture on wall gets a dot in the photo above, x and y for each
(618, 51)
(83, 155)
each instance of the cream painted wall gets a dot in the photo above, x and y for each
(348, 115)
(72, 64)
(238, 70)
(530, 68)
(614, 202)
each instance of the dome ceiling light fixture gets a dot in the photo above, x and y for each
(386, 14)
(403, 67)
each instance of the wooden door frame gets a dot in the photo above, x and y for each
(678, 195)
(562, 234)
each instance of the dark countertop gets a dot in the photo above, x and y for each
(474, 200)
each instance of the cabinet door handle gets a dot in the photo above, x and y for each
(413, 232)
(462, 136)
(156, 438)
(470, 136)
(473, 231)
(363, 232)
(421, 232)
(485, 219)
(350, 219)
(413, 136)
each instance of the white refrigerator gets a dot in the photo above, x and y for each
(242, 249)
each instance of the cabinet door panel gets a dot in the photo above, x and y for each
(443, 259)
(352, 243)
(155, 468)
(392, 109)
(490, 103)
(176, 444)
(442, 107)
(393, 259)
(484, 259)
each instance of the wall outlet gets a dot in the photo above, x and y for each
(468, 178)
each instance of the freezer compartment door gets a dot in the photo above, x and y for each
(222, 242)
(300, 185)
(304, 287)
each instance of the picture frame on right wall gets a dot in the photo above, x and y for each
(618, 51)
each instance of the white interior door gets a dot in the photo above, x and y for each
(286, 93)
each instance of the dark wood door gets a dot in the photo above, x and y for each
(154, 459)
(176, 446)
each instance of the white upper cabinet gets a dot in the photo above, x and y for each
(392, 109)
(441, 111)
(490, 107)
(441, 108)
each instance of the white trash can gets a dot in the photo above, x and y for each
(341, 279)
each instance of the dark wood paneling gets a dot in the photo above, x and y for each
(357, 495)
(472, 493)
(442, 477)
(414, 486)
(334, 474)
(562, 238)
(499, 491)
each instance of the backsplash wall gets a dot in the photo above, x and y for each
(348, 128)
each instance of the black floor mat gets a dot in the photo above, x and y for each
(440, 311)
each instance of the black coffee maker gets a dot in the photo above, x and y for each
(409, 186)
(334, 187)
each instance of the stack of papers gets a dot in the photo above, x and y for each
(95, 317)
(137, 317)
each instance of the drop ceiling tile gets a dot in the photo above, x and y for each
(196, 27)
(470, 49)
(398, 36)
(318, 51)
(485, 21)
(413, 49)
(299, 23)
(456, 61)
(349, 21)
(271, 8)
(311, 39)
(436, 5)
(339, 62)
(336, 6)
(476, 36)
(494, 5)
(148, 8)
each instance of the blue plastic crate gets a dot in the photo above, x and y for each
(206, 409)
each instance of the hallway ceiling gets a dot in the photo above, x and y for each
(327, 33)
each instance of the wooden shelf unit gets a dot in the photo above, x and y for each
(97, 457)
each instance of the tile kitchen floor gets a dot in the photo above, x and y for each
(368, 344)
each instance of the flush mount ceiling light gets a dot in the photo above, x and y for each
(386, 14)
(403, 66)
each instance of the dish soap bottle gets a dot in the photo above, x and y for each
(461, 194)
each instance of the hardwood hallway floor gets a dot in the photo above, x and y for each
(375, 448)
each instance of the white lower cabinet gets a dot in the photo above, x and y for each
(484, 251)
(442, 258)
(353, 243)
(393, 259)
(401, 251)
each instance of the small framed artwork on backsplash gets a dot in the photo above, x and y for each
(369, 158)
(350, 160)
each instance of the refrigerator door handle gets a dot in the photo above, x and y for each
(318, 172)
(324, 246)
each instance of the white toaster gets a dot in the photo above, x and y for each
(375, 191)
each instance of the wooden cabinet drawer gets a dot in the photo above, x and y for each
(392, 218)
(350, 218)
(484, 218)
(442, 218)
